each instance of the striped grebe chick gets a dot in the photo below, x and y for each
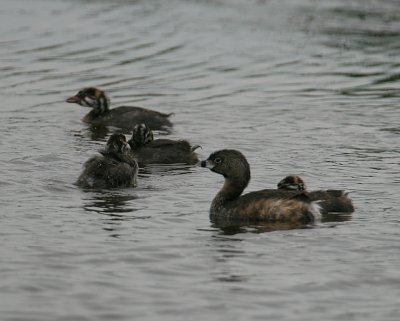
(123, 117)
(148, 150)
(330, 200)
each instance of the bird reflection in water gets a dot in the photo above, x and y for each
(260, 227)
(91, 133)
(110, 203)
(114, 206)
(166, 169)
(97, 132)
(232, 228)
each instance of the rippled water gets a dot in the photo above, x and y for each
(307, 87)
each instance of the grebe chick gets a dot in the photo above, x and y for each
(123, 117)
(329, 200)
(269, 205)
(148, 150)
(115, 167)
(292, 183)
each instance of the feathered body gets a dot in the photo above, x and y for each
(265, 205)
(148, 150)
(114, 167)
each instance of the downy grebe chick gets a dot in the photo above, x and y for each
(115, 167)
(266, 205)
(148, 150)
(123, 117)
(329, 200)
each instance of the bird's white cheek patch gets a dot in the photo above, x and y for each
(87, 102)
(209, 164)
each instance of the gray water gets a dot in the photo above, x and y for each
(306, 87)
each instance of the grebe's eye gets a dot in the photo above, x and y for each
(217, 160)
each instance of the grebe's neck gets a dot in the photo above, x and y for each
(232, 189)
(102, 105)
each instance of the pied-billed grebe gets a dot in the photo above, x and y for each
(329, 200)
(148, 150)
(266, 205)
(123, 117)
(115, 167)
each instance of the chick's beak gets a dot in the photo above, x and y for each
(74, 99)
(203, 163)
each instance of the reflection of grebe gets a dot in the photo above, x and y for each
(115, 167)
(265, 205)
(328, 200)
(148, 150)
(122, 117)
(110, 203)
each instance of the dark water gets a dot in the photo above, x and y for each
(306, 87)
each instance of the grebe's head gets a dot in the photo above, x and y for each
(230, 163)
(91, 97)
(117, 144)
(141, 135)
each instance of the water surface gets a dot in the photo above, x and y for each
(305, 87)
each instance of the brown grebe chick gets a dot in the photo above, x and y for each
(123, 117)
(292, 183)
(115, 167)
(329, 200)
(268, 205)
(148, 150)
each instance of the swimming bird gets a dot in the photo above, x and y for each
(148, 150)
(268, 205)
(114, 167)
(122, 117)
(330, 200)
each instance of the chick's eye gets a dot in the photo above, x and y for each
(217, 160)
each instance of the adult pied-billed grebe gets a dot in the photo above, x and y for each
(123, 117)
(148, 150)
(115, 167)
(329, 200)
(269, 205)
